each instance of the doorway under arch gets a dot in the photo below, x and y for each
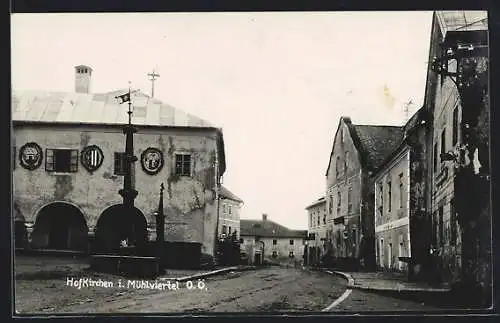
(20, 232)
(117, 224)
(60, 226)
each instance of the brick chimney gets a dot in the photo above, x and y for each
(83, 75)
(264, 217)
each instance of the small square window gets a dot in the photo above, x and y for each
(183, 164)
(61, 160)
(275, 254)
(224, 229)
(291, 254)
(275, 242)
(291, 242)
(241, 240)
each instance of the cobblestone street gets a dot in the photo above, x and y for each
(44, 289)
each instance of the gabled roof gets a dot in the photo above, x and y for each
(224, 192)
(98, 108)
(373, 142)
(268, 228)
(418, 119)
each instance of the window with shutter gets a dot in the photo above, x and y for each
(61, 160)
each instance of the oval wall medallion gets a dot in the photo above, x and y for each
(92, 158)
(30, 156)
(152, 160)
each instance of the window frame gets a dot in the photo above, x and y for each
(401, 189)
(346, 161)
(51, 166)
(456, 126)
(389, 196)
(349, 200)
(337, 167)
(435, 159)
(339, 202)
(183, 162)
(443, 142)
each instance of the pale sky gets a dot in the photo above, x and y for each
(276, 82)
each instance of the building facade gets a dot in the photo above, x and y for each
(357, 151)
(69, 167)
(316, 232)
(400, 207)
(268, 240)
(229, 213)
(460, 196)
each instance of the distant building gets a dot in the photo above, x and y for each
(266, 239)
(357, 151)
(229, 213)
(69, 166)
(316, 232)
(400, 204)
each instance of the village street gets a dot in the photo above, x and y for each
(275, 289)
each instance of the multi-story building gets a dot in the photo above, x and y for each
(69, 166)
(357, 151)
(459, 160)
(266, 239)
(400, 214)
(316, 232)
(229, 213)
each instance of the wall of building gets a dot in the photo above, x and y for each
(317, 223)
(348, 178)
(190, 205)
(392, 212)
(443, 222)
(229, 217)
(282, 247)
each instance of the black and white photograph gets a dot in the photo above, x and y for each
(184, 163)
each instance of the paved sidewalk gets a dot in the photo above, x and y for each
(383, 281)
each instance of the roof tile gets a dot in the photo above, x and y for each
(378, 142)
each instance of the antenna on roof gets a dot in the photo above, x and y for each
(153, 75)
(406, 109)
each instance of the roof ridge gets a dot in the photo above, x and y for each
(375, 125)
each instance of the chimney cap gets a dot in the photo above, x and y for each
(85, 66)
(264, 216)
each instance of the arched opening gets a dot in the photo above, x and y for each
(20, 232)
(117, 224)
(60, 226)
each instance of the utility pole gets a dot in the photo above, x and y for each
(153, 76)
